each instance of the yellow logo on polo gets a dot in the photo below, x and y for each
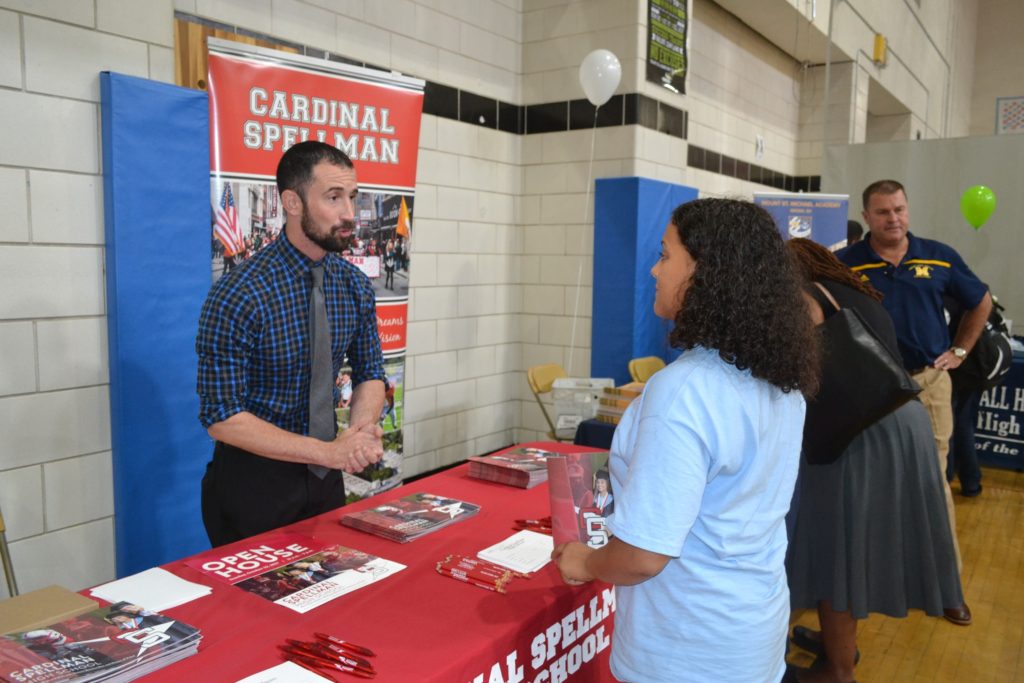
(922, 271)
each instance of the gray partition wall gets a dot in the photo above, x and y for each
(936, 173)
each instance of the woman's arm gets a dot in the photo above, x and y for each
(618, 563)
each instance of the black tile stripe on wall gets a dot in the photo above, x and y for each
(706, 160)
(549, 117)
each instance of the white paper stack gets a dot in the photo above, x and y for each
(155, 589)
(525, 551)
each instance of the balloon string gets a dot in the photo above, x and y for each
(583, 236)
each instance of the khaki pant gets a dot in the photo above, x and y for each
(937, 397)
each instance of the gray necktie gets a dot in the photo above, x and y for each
(322, 424)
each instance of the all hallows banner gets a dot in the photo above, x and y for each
(264, 101)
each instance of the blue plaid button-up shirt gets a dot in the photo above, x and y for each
(253, 340)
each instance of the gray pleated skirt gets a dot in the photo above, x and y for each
(872, 532)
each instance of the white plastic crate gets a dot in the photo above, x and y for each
(576, 400)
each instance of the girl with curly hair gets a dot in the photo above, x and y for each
(703, 464)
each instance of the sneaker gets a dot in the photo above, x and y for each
(810, 640)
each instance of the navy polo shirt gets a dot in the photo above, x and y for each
(913, 292)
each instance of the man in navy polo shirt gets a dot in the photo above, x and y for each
(913, 274)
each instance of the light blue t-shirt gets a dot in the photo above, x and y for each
(703, 466)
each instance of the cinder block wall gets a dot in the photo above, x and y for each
(502, 225)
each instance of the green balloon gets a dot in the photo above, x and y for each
(977, 204)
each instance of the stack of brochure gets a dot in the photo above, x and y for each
(522, 467)
(614, 401)
(117, 643)
(408, 518)
(526, 551)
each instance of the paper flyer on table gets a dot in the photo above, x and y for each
(294, 571)
(525, 551)
(287, 672)
(156, 589)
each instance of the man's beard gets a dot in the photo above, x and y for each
(332, 240)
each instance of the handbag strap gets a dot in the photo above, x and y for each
(824, 299)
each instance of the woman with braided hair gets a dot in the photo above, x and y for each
(871, 529)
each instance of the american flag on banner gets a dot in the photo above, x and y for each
(226, 223)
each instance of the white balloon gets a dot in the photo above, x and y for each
(600, 73)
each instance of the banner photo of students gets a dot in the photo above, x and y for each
(264, 101)
(818, 217)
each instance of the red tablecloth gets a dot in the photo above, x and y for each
(423, 626)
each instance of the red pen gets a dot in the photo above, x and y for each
(299, 656)
(345, 656)
(465, 579)
(348, 645)
(330, 653)
(473, 568)
(498, 567)
(454, 571)
(319, 664)
(481, 565)
(313, 651)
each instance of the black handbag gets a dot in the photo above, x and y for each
(990, 360)
(861, 382)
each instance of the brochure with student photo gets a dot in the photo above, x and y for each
(408, 518)
(294, 571)
(522, 467)
(581, 497)
(119, 642)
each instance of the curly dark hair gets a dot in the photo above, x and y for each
(818, 263)
(744, 298)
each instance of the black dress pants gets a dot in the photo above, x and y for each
(244, 494)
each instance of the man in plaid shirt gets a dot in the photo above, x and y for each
(254, 360)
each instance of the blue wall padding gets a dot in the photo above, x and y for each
(630, 215)
(156, 185)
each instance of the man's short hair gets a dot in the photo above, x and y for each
(882, 187)
(295, 170)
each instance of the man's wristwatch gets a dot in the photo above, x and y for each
(960, 353)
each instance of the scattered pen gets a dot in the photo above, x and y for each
(478, 572)
(480, 584)
(498, 567)
(348, 645)
(320, 664)
(346, 656)
(295, 654)
(330, 654)
(481, 565)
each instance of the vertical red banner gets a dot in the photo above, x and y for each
(261, 103)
